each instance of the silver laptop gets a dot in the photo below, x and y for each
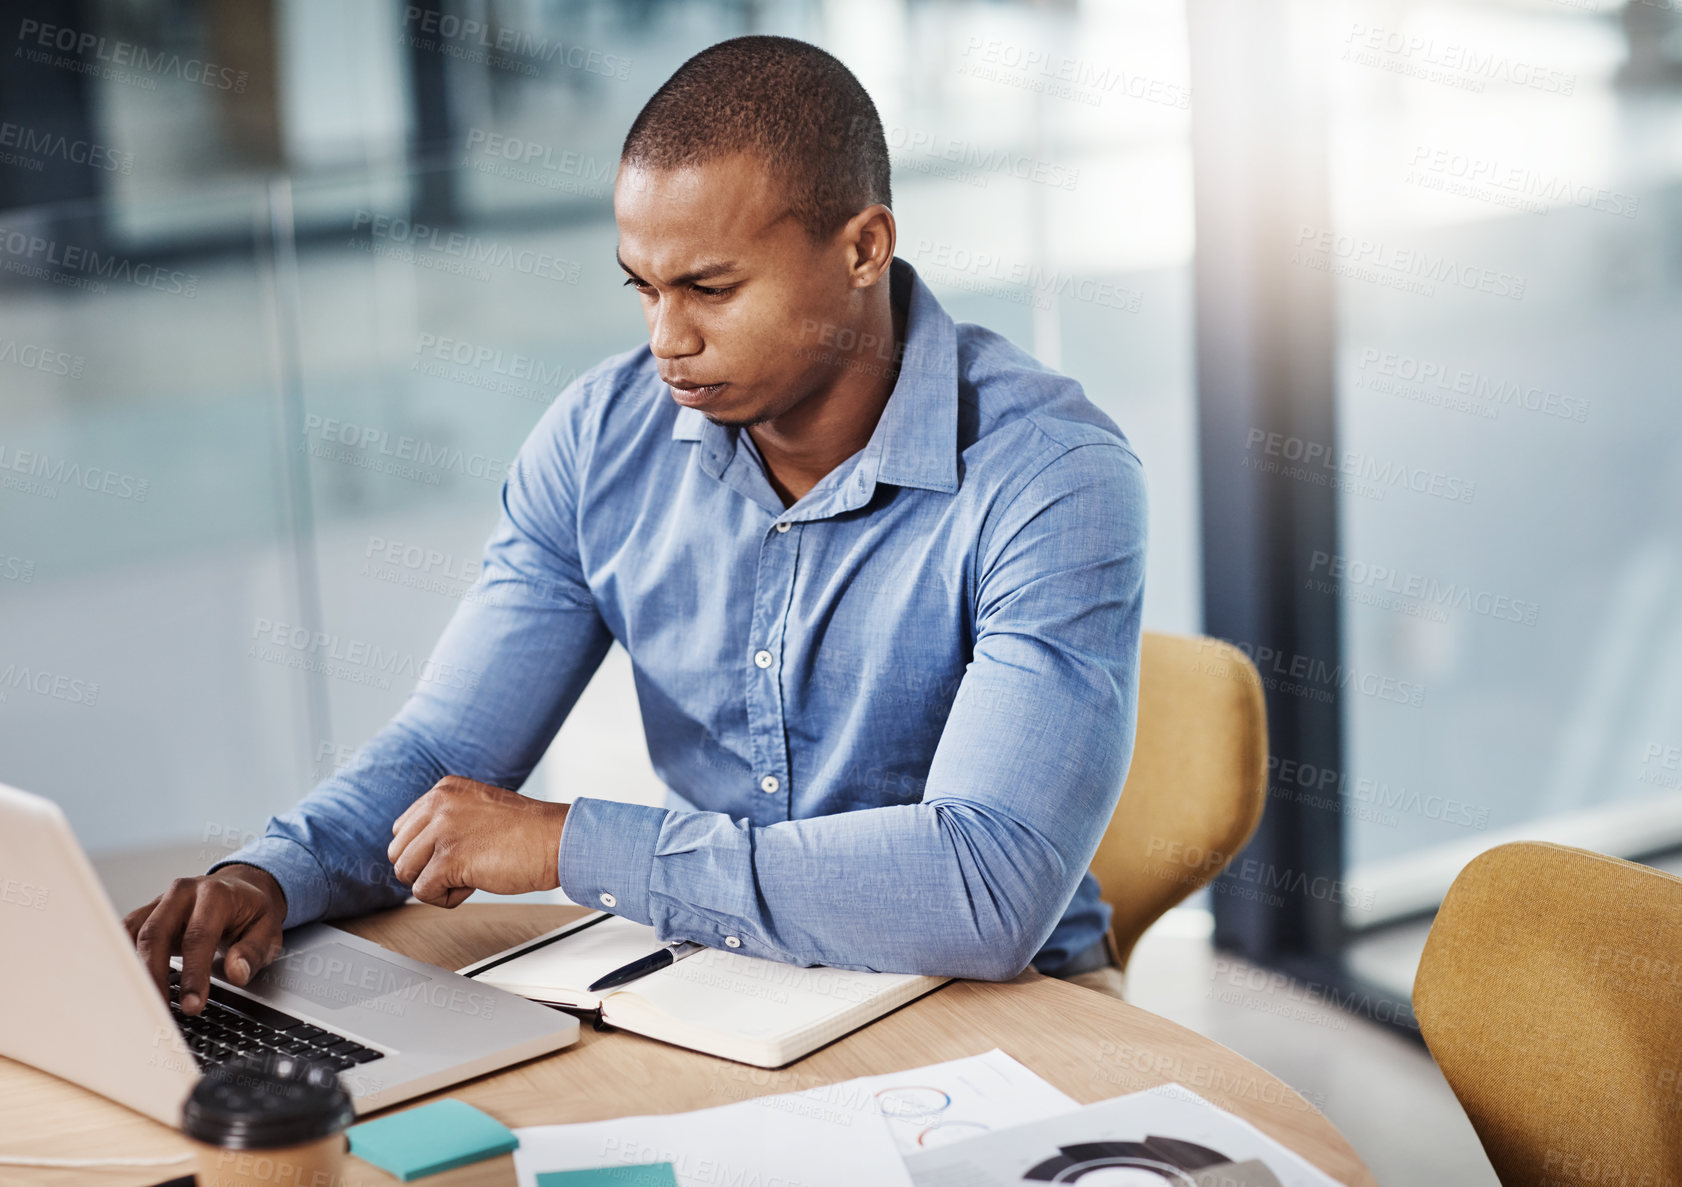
(76, 1000)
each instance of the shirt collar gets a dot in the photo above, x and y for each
(915, 442)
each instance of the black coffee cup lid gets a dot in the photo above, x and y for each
(260, 1102)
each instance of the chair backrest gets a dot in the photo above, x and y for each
(1550, 995)
(1197, 784)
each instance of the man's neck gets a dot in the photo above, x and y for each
(802, 446)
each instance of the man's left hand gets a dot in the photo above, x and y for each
(464, 836)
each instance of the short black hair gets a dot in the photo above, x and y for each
(794, 105)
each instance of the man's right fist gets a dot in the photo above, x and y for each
(238, 908)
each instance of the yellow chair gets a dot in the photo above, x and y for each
(1197, 785)
(1550, 995)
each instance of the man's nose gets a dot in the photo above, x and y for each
(671, 335)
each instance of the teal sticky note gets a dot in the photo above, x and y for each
(431, 1138)
(640, 1174)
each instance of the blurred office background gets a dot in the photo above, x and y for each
(285, 283)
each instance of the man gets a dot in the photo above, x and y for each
(879, 577)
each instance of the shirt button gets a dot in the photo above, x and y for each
(769, 783)
(732, 942)
(608, 900)
(782, 527)
(762, 658)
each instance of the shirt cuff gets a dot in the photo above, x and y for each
(607, 855)
(300, 875)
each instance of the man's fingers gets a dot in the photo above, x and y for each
(195, 916)
(436, 881)
(200, 935)
(157, 935)
(420, 807)
(136, 917)
(257, 947)
(416, 853)
(433, 887)
(407, 833)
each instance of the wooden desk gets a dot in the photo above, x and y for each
(1091, 1046)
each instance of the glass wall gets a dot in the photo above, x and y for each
(1507, 247)
(311, 276)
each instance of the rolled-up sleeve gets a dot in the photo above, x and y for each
(507, 670)
(970, 881)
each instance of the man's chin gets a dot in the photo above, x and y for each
(737, 420)
(738, 417)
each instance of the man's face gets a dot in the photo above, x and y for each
(731, 286)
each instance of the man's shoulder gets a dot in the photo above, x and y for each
(610, 385)
(1015, 408)
(619, 394)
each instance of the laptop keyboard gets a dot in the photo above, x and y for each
(230, 1026)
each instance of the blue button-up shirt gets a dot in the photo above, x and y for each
(893, 718)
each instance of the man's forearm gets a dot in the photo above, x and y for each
(945, 888)
(329, 852)
(508, 668)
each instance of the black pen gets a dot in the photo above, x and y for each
(669, 955)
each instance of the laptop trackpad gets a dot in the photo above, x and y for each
(335, 976)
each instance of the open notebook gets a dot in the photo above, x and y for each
(737, 1007)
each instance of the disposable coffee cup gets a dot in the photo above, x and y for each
(273, 1121)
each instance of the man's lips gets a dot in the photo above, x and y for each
(686, 392)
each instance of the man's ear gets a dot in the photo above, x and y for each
(870, 236)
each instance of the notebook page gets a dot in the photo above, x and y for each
(751, 1009)
(561, 971)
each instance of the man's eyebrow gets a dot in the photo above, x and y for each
(704, 272)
